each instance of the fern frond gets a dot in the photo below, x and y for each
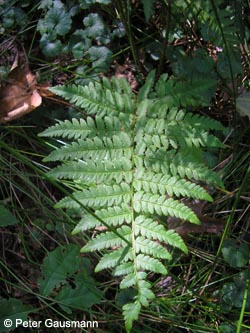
(148, 8)
(147, 87)
(201, 122)
(145, 294)
(133, 161)
(91, 98)
(177, 129)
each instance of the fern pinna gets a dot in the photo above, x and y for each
(133, 159)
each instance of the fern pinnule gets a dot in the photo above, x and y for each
(172, 186)
(108, 239)
(115, 216)
(112, 259)
(98, 197)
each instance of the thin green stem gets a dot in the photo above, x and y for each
(226, 46)
(123, 8)
(243, 307)
(235, 205)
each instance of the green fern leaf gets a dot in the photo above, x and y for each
(114, 216)
(132, 160)
(154, 204)
(94, 171)
(97, 197)
(131, 313)
(68, 129)
(130, 280)
(146, 293)
(183, 164)
(110, 260)
(96, 148)
(184, 94)
(149, 247)
(174, 239)
(124, 269)
(153, 230)
(107, 240)
(202, 123)
(147, 87)
(160, 183)
(87, 97)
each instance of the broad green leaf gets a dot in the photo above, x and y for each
(101, 57)
(233, 293)
(94, 25)
(85, 4)
(104, 2)
(13, 309)
(50, 48)
(225, 64)
(236, 255)
(78, 50)
(148, 8)
(243, 104)
(12, 16)
(227, 328)
(84, 76)
(50, 3)
(80, 294)
(119, 31)
(125, 296)
(45, 4)
(6, 217)
(56, 267)
(79, 43)
(154, 50)
(56, 19)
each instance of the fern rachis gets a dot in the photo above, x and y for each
(132, 162)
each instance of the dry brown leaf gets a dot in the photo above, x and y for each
(126, 71)
(19, 96)
(208, 224)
